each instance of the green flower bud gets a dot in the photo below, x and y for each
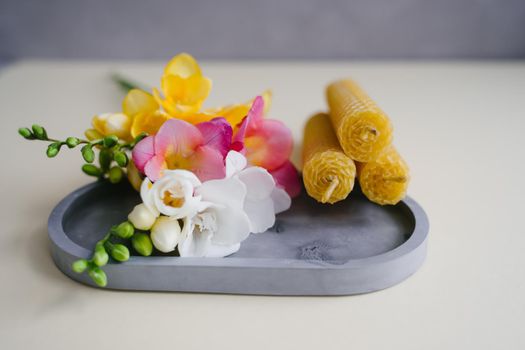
(121, 158)
(100, 257)
(142, 244)
(124, 230)
(80, 266)
(104, 158)
(88, 153)
(26, 133)
(115, 174)
(53, 149)
(140, 137)
(98, 276)
(119, 252)
(110, 141)
(91, 170)
(72, 142)
(39, 132)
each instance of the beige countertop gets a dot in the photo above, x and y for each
(460, 126)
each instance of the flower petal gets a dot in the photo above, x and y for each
(261, 214)
(249, 122)
(177, 137)
(281, 200)
(207, 163)
(269, 145)
(239, 135)
(196, 118)
(117, 124)
(99, 123)
(267, 98)
(173, 87)
(259, 183)
(196, 89)
(234, 114)
(143, 152)
(93, 134)
(148, 196)
(154, 167)
(287, 177)
(235, 162)
(229, 192)
(257, 110)
(184, 174)
(138, 101)
(194, 244)
(183, 65)
(233, 226)
(149, 123)
(217, 133)
(175, 104)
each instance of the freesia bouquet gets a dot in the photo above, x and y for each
(207, 177)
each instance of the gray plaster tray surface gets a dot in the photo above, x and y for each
(351, 247)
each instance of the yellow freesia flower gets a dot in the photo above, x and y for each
(184, 89)
(235, 113)
(140, 113)
(144, 111)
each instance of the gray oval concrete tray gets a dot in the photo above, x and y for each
(351, 247)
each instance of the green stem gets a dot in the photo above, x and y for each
(63, 142)
(125, 84)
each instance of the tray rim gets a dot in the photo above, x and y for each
(61, 240)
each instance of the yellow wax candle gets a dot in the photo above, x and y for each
(385, 179)
(328, 174)
(362, 128)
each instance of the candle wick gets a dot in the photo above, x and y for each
(330, 190)
(368, 133)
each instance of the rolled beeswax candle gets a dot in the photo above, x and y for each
(328, 174)
(384, 180)
(362, 128)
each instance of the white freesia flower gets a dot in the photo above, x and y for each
(217, 214)
(263, 198)
(165, 234)
(221, 223)
(172, 194)
(141, 217)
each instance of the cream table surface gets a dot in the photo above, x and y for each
(460, 125)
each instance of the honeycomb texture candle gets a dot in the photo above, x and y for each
(362, 128)
(328, 174)
(385, 179)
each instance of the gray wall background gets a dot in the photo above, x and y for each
(286, 29)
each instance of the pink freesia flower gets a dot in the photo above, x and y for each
(267, 143)
(181, 145)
